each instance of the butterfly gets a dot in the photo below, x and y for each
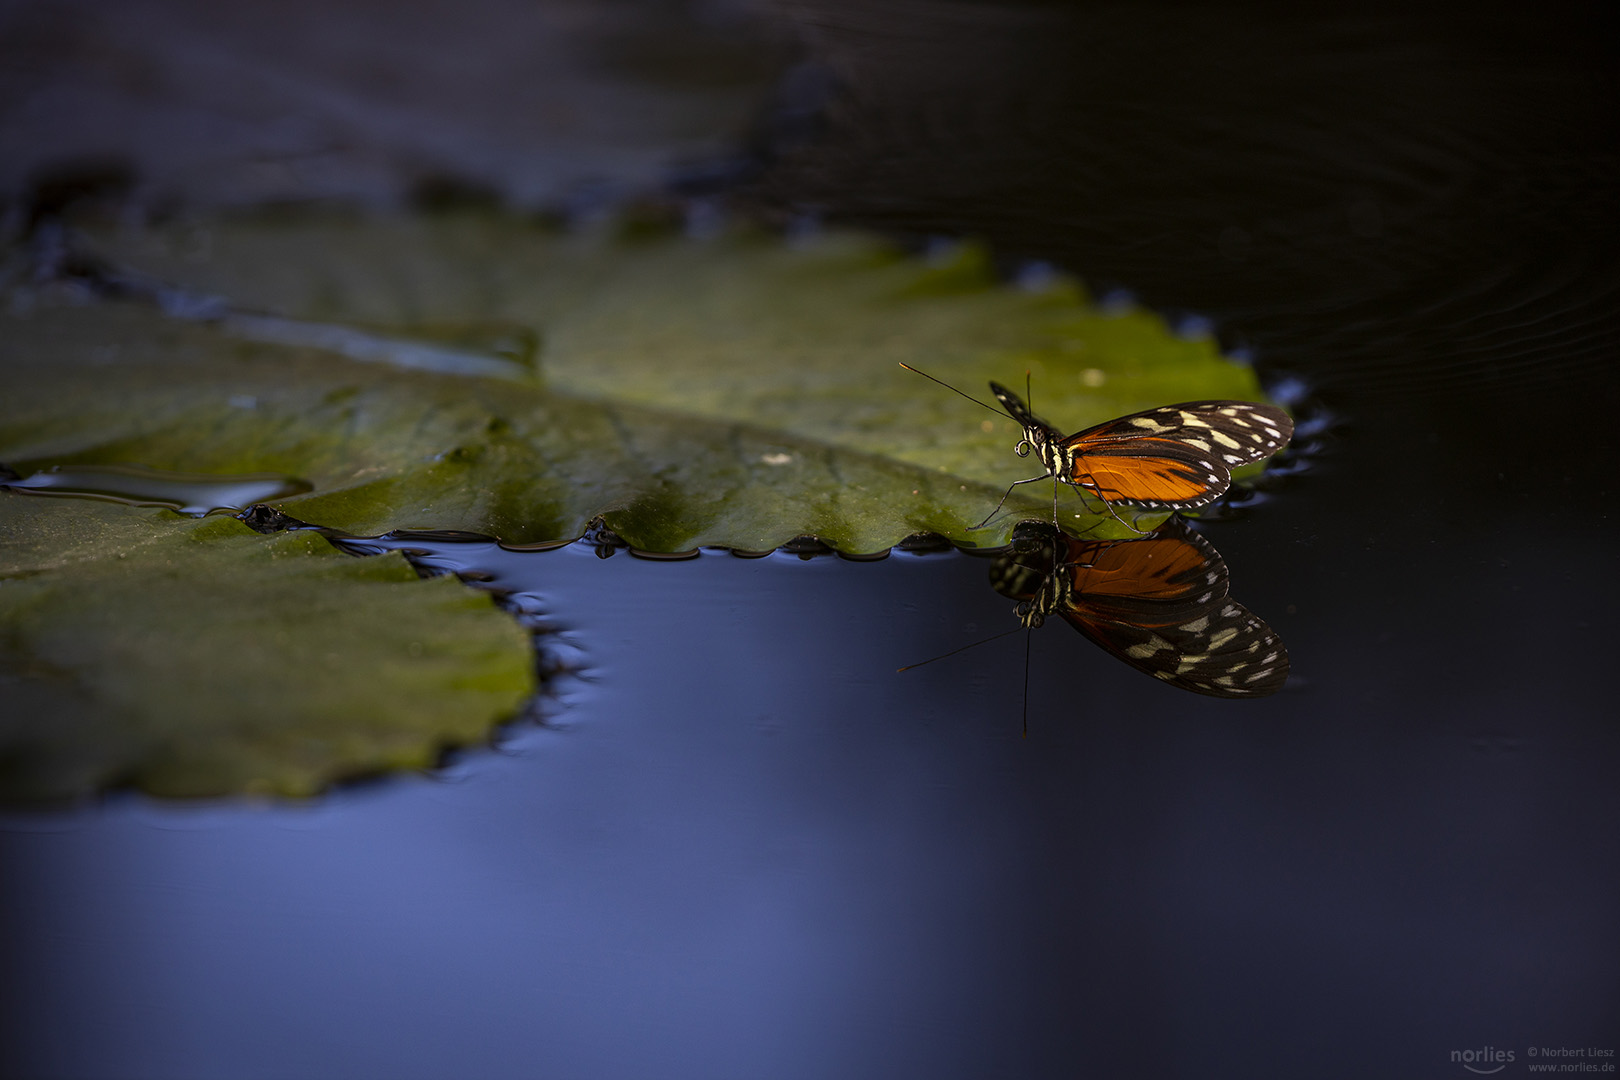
(1160, 603)
(1175, 457)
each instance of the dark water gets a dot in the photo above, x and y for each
(745, 846)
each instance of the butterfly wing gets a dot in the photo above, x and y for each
(1140, 579)
(1120, 579)
(1220, 650)
(1160, 604)
(1175, 457)
(1020, 413)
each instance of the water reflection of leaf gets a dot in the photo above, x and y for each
(189, 494)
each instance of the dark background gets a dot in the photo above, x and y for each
(745, 846)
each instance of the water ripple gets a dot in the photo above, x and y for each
(1395, 205)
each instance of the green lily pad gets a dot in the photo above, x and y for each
(196, 657)
(482, 374)
(736, 391)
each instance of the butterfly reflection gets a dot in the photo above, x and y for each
(1159, 603)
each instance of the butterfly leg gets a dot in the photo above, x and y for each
(1139, 532)
(1003, 501)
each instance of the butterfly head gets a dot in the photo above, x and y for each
(1040, 438)
(1030, 573)
(1030, 616)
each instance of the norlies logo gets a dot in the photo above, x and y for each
(1486, 1060)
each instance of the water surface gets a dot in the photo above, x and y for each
(744, 846)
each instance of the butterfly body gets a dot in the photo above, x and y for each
(1176, 457)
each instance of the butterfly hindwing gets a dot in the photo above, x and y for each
(1222, 650)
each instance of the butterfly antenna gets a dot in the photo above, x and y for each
(964, 648)
(953, 389)
(1027, 633)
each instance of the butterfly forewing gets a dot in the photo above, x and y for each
(1020, 412)
(1176, 457)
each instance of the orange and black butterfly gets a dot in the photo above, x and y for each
(1159, 603)
(1176, 457)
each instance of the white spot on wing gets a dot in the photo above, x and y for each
(1153, 644)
